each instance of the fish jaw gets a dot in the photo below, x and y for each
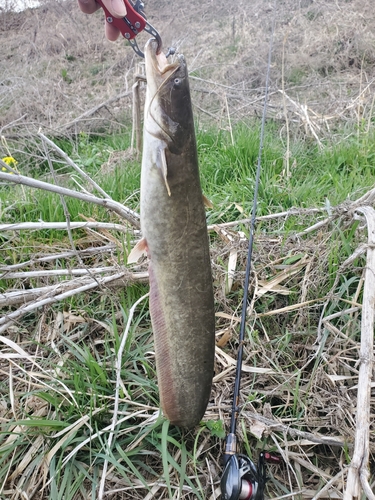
(157, 66)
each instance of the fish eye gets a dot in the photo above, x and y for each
(177, 81)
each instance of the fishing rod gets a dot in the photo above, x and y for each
(242, 479)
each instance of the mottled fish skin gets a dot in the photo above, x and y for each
(173, 223)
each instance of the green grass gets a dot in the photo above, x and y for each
(342, 169)
(63, 399)
(82, 388)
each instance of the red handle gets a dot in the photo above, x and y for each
(130, 25)
(270, 458)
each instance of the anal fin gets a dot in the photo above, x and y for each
(138, 251)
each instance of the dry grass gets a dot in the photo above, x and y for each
(301, 364)
(57, 65)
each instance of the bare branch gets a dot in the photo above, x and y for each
(358, 471)
(314, 438)
(8, 319)
(70, 162)
(58, 256)
(57, 272)
(124, 212)
(15, 297)
(287, 213)
(93, 110)
(37, 226)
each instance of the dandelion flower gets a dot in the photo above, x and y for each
(9, 160)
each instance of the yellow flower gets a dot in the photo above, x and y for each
(9, 160)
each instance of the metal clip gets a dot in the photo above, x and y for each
(132, 24)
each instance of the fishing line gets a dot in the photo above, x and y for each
(241, 479)
(251, 244)
(251, 239)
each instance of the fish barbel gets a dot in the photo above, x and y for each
(173, 223)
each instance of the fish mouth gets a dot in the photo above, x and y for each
(157, 67)
(161, 120)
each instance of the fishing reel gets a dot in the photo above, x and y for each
(239, 480)
(242, 480)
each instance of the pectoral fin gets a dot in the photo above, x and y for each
(138, 251)
(164, 169)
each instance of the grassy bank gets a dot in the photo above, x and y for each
(308, 175)
(59, 368)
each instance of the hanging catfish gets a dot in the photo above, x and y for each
(174, 230)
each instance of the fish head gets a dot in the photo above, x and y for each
(168, 113)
